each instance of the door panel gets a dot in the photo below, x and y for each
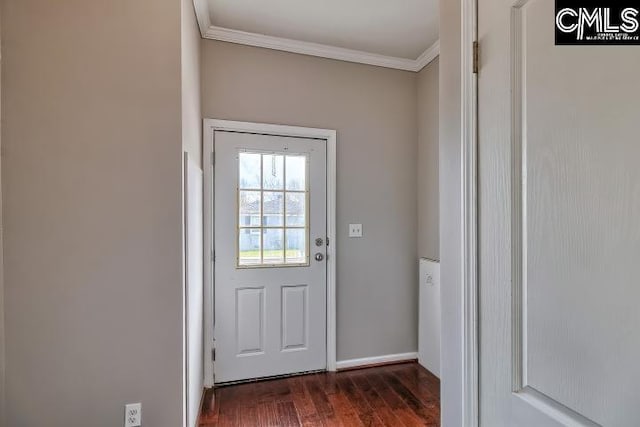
(559, 234)
(294, 317)
(270, 293)
(250, 320)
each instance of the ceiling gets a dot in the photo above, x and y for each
(394, 33)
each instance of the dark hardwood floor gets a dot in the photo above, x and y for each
(391, 395)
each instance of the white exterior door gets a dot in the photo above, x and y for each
(270, 255)
(559, 228)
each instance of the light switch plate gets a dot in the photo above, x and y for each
(133, 415)
(355, 230)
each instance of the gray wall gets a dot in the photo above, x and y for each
(450, 212)
(428, 182)
(91, 183)
(191, 109)
(374, 111)
(2, 351)
(192, 144)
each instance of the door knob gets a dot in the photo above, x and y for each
(319, 257)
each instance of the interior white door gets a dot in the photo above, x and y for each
(270, 250)
(559, 234)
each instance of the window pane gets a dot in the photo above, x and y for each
(249, 171)
(249, 247)
(296, 173)
(272, 172)
(273, 246)
(296, 209)
(249, 212)
(272, 197)
(296, 246)
(273, 208)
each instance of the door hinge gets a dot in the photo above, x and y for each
(213, 158)
(213, 354)
(476, 57)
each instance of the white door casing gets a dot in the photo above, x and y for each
(559, 239)
(287, 321)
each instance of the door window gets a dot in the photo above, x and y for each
(272, 211)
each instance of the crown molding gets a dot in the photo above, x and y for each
(428, 55)
(212, 32)
(201, 8)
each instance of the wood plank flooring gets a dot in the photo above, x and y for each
(393, 395)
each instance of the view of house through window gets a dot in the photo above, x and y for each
(272, 209)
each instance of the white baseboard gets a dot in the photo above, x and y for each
(376, 360)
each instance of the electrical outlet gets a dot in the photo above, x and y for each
(355, 230)
(133, 415)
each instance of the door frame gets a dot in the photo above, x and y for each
(470, 63)
(209, 128)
